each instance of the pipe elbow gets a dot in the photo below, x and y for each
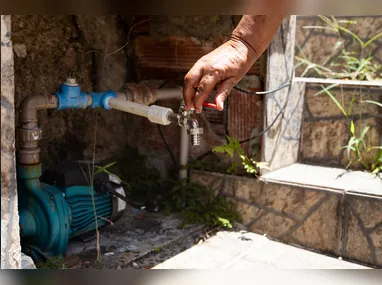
(31, 104)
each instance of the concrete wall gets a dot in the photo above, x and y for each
(10, 238)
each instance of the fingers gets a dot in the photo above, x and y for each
(191, 82)
(206, 85)
(223, 91)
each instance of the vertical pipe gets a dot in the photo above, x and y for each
(183, 157)
(183, 153)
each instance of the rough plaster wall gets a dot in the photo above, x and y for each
(50, 48)
(10, 238)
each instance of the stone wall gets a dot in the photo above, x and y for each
(325, 129)
(317, 44)
(10, 238)
(330, 222)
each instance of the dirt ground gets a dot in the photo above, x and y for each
(139, 240)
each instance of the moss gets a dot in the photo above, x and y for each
(52, 263)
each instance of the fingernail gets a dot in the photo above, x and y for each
(198, 111)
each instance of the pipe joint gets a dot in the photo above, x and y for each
(70, 96)
(99, 99)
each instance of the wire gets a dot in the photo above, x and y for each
(273, 122)
(262, 92)
(161, 133)
(167, 147)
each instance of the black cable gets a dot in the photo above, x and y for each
(262, 92)
(273, 122)
(167, 147)
(161, 134)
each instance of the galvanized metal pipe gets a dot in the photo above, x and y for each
(168, 94)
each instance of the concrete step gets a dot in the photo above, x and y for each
(309, 208)
(244, 250)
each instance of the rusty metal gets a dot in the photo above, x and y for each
(139, 93)
(29, 135)
(28, 156)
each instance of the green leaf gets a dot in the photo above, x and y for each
(324, 90)
(104, 168)
(372, 39)
(372, 102)
(352, 128)
(335, 100)
(364, 132)
(219, 149)
(353, 35)
(230, 151)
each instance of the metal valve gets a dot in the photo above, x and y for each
(185, 120)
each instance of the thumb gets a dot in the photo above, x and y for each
(223, 91)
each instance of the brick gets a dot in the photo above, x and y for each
(172, 56)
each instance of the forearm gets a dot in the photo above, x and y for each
(257, 32)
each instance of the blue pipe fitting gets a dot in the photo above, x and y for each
(70, 96)
(99, 99)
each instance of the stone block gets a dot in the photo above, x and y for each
(322, 140)
(322, 106)
(320, 229)
(272, 225)
(362, 237)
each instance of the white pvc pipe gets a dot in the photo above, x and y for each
(129, 107)
(156, 114)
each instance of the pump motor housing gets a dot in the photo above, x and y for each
(61, 204)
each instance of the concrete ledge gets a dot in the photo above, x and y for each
(327, 178)
(340, 223)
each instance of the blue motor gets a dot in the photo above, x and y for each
(60, 204)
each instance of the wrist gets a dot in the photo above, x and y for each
(244, 48)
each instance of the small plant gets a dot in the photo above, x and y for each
(52, 263)
(199, 205)
(358, 151)
(233, 147)
(348, 64)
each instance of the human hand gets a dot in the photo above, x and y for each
(224, 66)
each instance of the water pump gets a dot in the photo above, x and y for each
(58, 205)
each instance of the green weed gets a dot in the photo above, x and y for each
(233, 147)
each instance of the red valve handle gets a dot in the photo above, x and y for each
(210, 105)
